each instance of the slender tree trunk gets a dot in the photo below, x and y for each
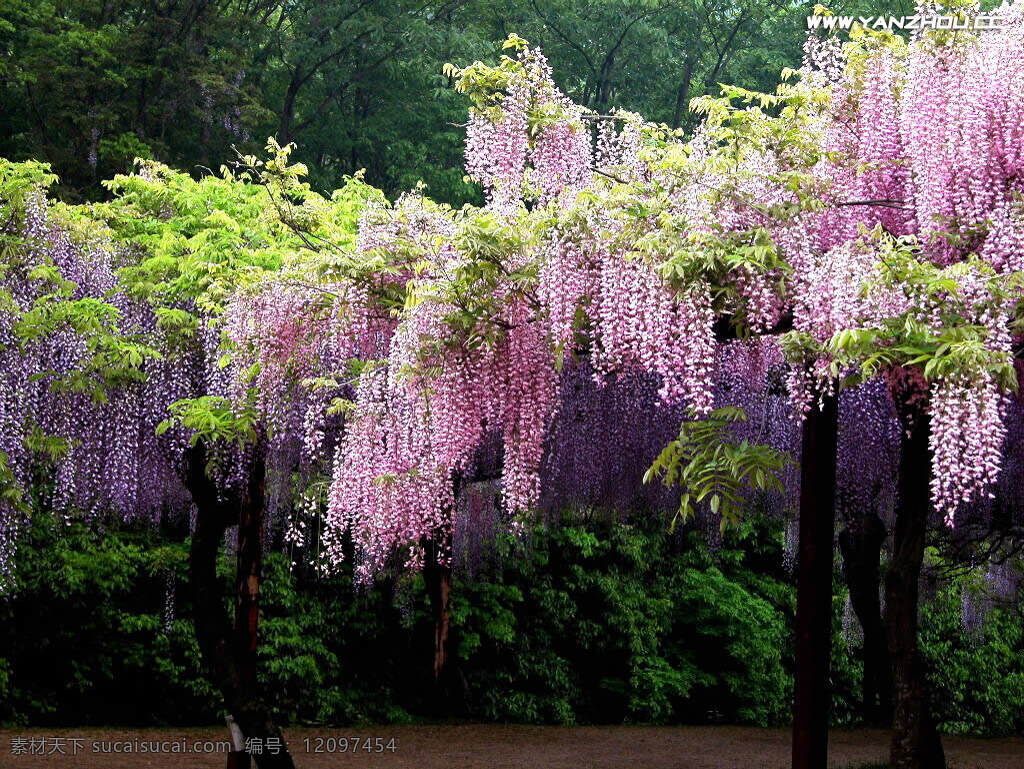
(439, 589)
(249, 570)
(915, 742)
(437, 574)
(682, 94)
(814, 587)
(229, 649)
(284, 131)
(861, 546)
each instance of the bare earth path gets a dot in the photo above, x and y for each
(477, 745)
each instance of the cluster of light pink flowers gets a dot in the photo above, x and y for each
(561, 158)
(291, 332)
(421, 417)
(508, 162)
(618, 151)
(929, 141)
(643, 323)
(1004, 246)
(968, 409)
(966, 441)
(637, 321)
(567, 277)
(962, 120)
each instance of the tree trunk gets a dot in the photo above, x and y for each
(603, 91)
(284, 130)
(229, 651)
(915, 742)
(248, 570)
(682, 94)
(437, 574)
(814, 587)
(861, 546)
(439, 589)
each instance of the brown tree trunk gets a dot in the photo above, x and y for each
(811, 702)
(439, 589)
(229, 649)
(861, 546)
(249, 571)
(437, 574)
(915, 742)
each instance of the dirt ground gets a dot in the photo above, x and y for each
(474, 746)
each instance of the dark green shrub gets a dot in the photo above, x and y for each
(618, 623)
(84, 637)
(591, 623)
(977, 682)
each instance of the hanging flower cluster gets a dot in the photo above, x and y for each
(66, 334)
(962, 125)
(969, 407)
(561, 158)
(496, 150)
(925, 141)
(418, 422)
(966, 442)
(529, 142)
(868, 453)
(603, 438)
(642, 323)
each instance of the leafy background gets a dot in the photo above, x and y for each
(601, 623)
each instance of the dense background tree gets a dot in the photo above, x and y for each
(653, 57)
(88, 85)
